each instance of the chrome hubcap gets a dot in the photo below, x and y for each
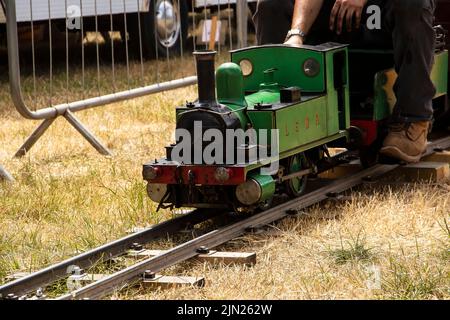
(168, 24)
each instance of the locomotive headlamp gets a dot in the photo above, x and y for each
(246, 67)
(222, 174)
(311, 67)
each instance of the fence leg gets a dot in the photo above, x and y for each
(4, 175)
(242, 20)
(35, 136)
(70, 117)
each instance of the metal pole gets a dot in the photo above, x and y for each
(70, 117)
(242, 19)
(4, 175)
(14, 68)
(131, 94)
(30, 142)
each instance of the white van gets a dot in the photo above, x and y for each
(169, 16)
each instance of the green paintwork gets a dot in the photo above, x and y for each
(230, 90)
(267, 184)
(384, 97)
(338, 116)
(381, 108)
(312, 119)
(439, 75)
(262, 96)
(288, 61)
(230, 84)
(251, 167)
(298, 123)
(269, 81)
(302, 123)
(297, 164)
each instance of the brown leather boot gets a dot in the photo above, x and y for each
(406, 141)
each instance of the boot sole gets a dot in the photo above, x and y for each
(396, 153)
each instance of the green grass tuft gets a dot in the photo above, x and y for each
(414, 281)
(354, 249)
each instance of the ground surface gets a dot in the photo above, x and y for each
(386, 242)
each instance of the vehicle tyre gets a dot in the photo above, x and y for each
(164, 29)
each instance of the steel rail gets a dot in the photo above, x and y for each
(55, 272)
(222, 235)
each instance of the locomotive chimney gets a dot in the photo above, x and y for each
(206, 76)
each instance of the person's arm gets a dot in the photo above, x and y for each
(305, 13)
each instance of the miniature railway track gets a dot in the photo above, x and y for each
(110, 283)
(52, 273)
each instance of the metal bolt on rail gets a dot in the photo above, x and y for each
(74, 282)
(203, 250)
(369, 179)
(136, 247)
(39, 295)
(149, 275)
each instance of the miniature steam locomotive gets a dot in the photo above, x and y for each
(263, 122)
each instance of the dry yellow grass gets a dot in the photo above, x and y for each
(67, 198)
(333, 251)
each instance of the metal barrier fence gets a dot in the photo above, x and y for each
(4, 175)
(152, 34)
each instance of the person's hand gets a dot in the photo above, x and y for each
(346, 9)
(295, 41)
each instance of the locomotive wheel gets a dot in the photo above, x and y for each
(296, 187)
(266, 205)
(319, 157)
